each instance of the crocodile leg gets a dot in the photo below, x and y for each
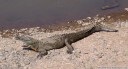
(102, 27)
(69, 46)
(42, 52)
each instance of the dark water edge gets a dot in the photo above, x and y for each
(32, 13)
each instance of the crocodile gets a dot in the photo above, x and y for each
(60, 40)
(113, 4)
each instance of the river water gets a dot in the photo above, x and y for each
(32, 13)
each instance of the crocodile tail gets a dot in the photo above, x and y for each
(108, 28)
(105, 27)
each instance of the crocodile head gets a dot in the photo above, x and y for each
(30, 43)
(32, 46)
(26, 39)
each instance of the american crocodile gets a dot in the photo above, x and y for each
(61, 40)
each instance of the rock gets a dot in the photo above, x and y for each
(108, 17)
(126, 9)
(79, 21)
(89, 18)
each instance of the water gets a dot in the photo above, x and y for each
(32, 13)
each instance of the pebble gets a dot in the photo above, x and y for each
(108, 17)
(126, 9)
(89, 18)
(79, 21)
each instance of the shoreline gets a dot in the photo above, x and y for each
(72, 25)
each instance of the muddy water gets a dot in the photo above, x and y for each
(32, 13)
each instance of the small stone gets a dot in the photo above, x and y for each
(126, 9)
(99, 20)
(80, 21)
(108, 17)
(89, 18)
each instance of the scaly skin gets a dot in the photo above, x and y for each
(60, 40)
